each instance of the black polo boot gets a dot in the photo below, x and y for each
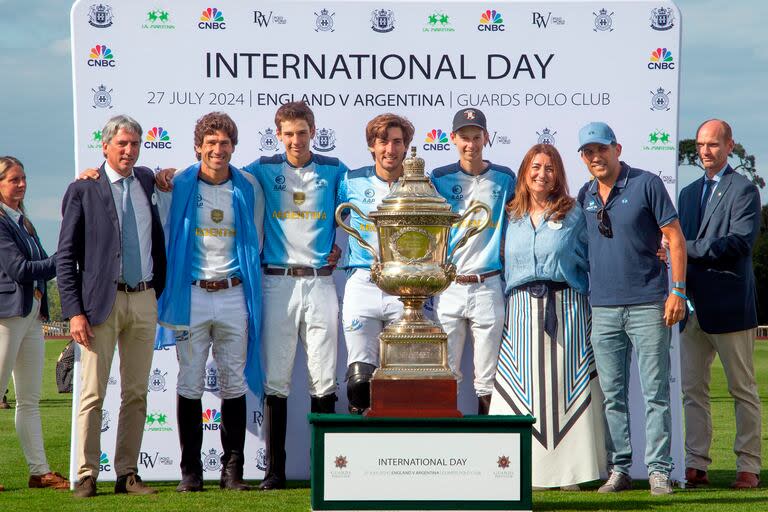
(189, 416)
(233, 417)
(276, 413)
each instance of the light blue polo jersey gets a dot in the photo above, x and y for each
(363, 188)
(624, 269)
(299, 204)
(495, 186)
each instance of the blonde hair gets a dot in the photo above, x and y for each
(6, 164)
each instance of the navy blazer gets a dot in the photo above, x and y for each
(18, 272)
(720, 280)
(88, 259)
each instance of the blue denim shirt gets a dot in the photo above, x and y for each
(554, 251)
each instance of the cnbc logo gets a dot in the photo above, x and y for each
(212, 19)
(104, 463)
(661, 58)
(157, 138)
(101, 57)
(158, 19)
(659, 140)
(491, 21)
(211, 419)
(438, 22)
(157, 422)
(436, 140)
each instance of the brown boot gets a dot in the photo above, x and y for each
(85, 487)
(50, 480)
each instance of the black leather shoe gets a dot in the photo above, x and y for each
(271, 483)
(190, 483)
(85, 487)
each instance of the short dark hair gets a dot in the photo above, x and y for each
(211, 123)
(294, 110)
(378, 126)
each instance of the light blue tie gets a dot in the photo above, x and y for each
(131, 252)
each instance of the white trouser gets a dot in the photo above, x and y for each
(22, 353)
(367, 310)
(305, 308)
(479, 306)
(219, 320)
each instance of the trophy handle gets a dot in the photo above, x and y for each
(472, 231)
(353, 233)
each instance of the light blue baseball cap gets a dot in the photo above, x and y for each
(596, 133)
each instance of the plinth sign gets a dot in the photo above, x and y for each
(412, 262)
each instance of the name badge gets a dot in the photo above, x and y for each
(154, 199)
(553, 224)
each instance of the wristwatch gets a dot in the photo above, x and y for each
(678, 284)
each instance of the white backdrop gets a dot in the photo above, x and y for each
(539, 70)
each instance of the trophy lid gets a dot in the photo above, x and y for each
(413, 192)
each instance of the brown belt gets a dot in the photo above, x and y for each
(475, 278)
(38, 294)
(214, 286)
(298, 271)
(144, 285)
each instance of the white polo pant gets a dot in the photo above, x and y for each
(366, 311)
(305, 308)
(218, 321)
(478, 307)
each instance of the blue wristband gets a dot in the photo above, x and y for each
(687, 301)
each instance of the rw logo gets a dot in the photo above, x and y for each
(263, 19)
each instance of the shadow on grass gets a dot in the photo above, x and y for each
(711, 502)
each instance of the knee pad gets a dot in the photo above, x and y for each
(359, 377)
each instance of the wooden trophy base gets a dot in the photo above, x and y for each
(413, 398)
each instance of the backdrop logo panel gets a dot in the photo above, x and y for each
(522, 63)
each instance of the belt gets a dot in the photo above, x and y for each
(298, 271)
(38, 294)
(546, 290)
(214, 286)
(475, 278)
(144, 285)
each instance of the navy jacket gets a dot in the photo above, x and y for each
(18, 272)
(88, 259)
(720, 280)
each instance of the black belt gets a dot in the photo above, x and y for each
(214, 286)
(298, 271)
(144, 285)
(542, 289)
(475, 278)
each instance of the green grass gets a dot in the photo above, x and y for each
(56, 425)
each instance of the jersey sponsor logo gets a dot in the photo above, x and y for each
(367, 227)
(298, 215)
(215, 232)
(299, 198)
(279, 182)
(217, 215)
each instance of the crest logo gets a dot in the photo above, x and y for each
(340, 462)
(157, 422)
(503, 462)
(104, 420)
(546, 137)
(325, 140)
(212, 19)
(157, 380)
(261, 459)
(217, 215)
(268, 140)
(101, 57)
(438, 22)
(324, 21)
(211, 378)
(369, 193)
(104, 462)
(491, 21)
(456, 189)
(299, 198)
(436, 140)
(659, 140)
(212, 460)
(603, 21)
(211, 419)
(662, 18)
(660, 99)
(383, 20)
(100, 16)
(661, 58)
(157, 138)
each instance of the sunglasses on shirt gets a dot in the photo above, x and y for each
(604, 223)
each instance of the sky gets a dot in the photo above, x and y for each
(724, 74)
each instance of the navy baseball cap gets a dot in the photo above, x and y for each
(596, 133)
(469, 117)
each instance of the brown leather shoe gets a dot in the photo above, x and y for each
(51, 480)
(2, 488)
(132, 484)
(745, 480)
(85, 487)
(695, 477)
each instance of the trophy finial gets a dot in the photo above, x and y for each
(413, 166)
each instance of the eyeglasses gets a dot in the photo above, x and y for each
(604, 223)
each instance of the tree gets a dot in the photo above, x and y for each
(739, 159)
(760, 266)
(54, 302)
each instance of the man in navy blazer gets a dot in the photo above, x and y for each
(720, 217)
(111, 269)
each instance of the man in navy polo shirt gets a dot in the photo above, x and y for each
(627, 211)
